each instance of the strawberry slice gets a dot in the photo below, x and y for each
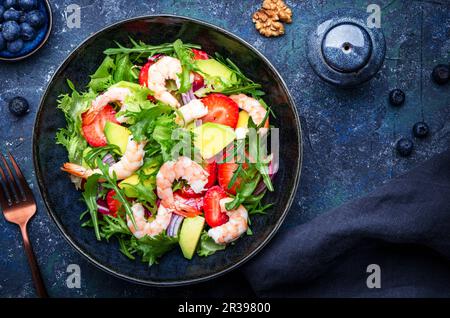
(211, 168)
(113, 204)
(221, 110)
(200, 55)
(143, 78)
(92, 128)
(198, 83)
(211, 206)
(225, 173)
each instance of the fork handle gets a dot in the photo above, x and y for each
(37, 278)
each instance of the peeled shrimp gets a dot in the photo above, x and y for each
(166, 68)
(255, 110)
(191, 111)
(132, 160)
(182, 168)
(236, 226)
(113, 94)
(143, 227)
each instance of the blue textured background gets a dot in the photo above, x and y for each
(348, 135)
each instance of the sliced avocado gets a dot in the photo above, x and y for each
(214, 68)
(117, 135)
(126, 185)
(243, 119)
(211, 138)
(190, 234)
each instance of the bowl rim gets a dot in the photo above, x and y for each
(175, 282)
(44, 40)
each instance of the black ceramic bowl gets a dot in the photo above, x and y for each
(62, 199)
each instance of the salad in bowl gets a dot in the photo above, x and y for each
(169, 146)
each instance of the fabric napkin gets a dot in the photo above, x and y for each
(403, 227)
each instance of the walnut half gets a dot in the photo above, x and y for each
(279, 8)
(267, 24)
(268, 20)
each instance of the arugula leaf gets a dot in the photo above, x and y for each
(145, 120)
(153, 247)
(207, 246)
(90, 197)
(185, 56)
(112, 184)
(140, 49)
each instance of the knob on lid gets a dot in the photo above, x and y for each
(343, 51)
(347, 47)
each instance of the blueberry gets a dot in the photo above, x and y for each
(14, 46)
(9, 3)
(27, 33)
(11, 30)
(27, 5)
(441, 74)
(23, 17)
(404, 147)
(2, 43)
(2, 10)
(35, 18)
(18, 106)
(11, 15)
(397, 97)
(421, 129)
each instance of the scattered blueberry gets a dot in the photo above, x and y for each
(18, 106)
(9, 3)
(2, 10)
(27, 33)
(404, 147)
(27, 4)
(421, 129)
(397, 97)
(11, 15)
(2, 43)
(35, 18)
(11, 30)
(441, 74)
(15, 46)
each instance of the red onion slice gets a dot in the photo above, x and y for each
(102, 207)
(174, 225)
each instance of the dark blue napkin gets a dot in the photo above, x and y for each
(403, 227)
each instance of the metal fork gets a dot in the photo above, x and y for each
(18, 205)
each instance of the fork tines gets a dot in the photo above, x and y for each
(14, 187)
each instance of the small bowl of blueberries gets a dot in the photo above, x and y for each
(25, 26)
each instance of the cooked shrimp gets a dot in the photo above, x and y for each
(113, 94)
(143, 226)
(183, 168)
(254, 108)
(192, 110)
(236, 226)
(166, 68)
(132, 160)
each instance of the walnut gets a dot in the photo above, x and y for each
(267, 19)
(267, 24)
(279, 8)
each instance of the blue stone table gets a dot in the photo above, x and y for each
(348, 134)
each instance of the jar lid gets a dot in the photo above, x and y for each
(343, 51)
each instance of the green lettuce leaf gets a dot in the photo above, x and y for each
(207, 246)
(152, 248)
